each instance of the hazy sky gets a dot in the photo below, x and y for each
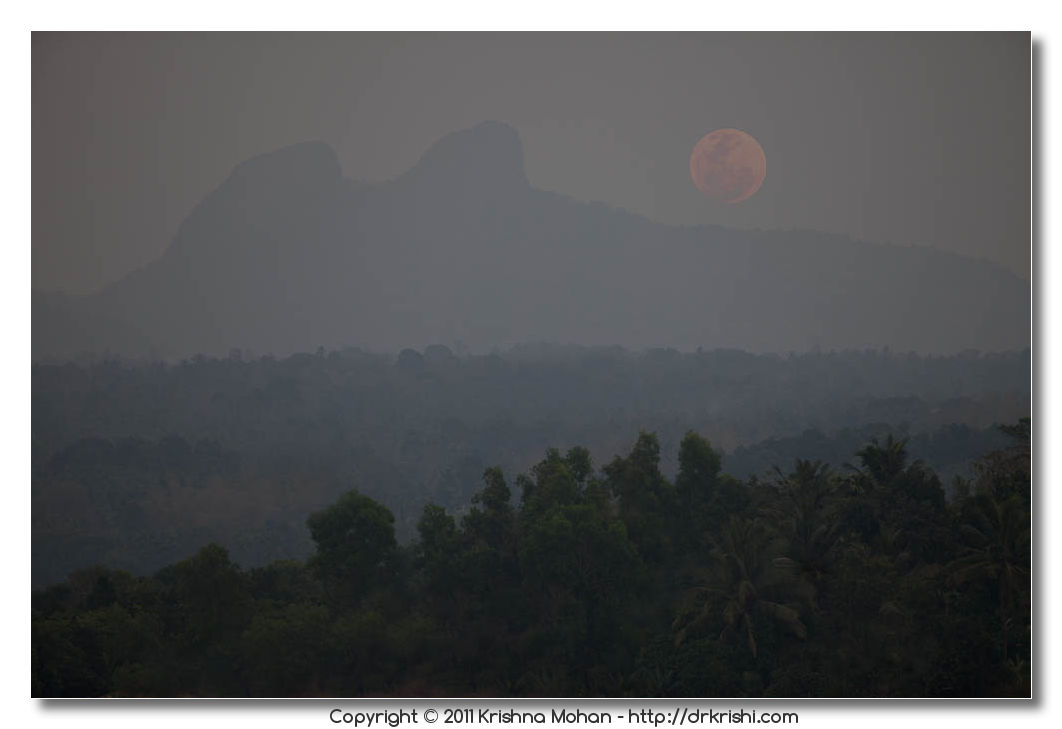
(902, 138)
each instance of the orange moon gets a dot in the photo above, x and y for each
(728, 165)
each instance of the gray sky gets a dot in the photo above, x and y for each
(910, 139)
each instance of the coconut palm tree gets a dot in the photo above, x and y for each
(996, 534)
(884, 462)
(746, 581)
(803, 516)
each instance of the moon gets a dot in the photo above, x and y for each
(728, 165)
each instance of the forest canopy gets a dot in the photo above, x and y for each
(137, 464)
(577, 580)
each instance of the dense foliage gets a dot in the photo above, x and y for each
(610, 581)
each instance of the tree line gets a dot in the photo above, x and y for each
(577, 580)
(137, 464)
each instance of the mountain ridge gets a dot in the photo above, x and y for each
(288, 254)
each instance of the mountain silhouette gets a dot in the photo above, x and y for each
(287, 255)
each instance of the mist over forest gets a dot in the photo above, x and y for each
(451, 433)
(150, 460)
(427, 524)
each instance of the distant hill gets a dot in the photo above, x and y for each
(288, 255)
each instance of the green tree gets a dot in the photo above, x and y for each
(697, 488)
(436, 552)
(746, 582)
(646, 499)
(1007, 471)
(212, 596)
(206, 604)
(805, 517)
(907, 501)
(286, 650)
(883, 462)
(490, 521)
(553, 482)
(996, 551)
(356, 546)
